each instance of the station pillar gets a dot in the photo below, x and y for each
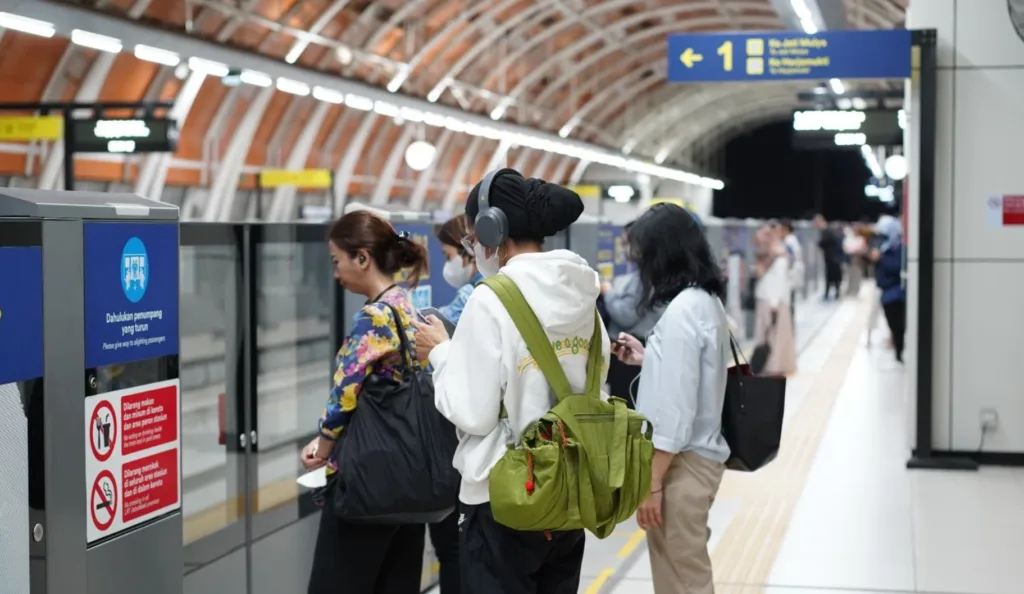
(90, 471)
(978, 231)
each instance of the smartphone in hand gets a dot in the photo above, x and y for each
(432, 311)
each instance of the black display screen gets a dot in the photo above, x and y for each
(844, 129)
(125, 135)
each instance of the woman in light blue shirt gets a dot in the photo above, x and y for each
(681, 390)
(459, 266)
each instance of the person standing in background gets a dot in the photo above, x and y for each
(797, 267)
(856, 249)
(626, 313)
(889, 276)
(772, 324)
(459, 267)
(832, 253)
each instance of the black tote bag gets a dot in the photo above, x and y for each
(752, 416)
(395, 456)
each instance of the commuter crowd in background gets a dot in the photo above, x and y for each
(487, 401)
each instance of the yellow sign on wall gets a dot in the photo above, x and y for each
(303, 178)
(586, 191)
(31, 127)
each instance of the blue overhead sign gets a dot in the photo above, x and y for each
(789, 55)
(131, 292)
(21, 313)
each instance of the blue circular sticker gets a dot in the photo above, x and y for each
(134, 270)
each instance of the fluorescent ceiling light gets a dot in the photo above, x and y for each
(454, 124)
(26, 25)
(359, 102)
(435, 93)
(433, 119)
(296, 51)
(208, 67)
(499, 110)
(157, 55)
(411, 114)
(256, 79)
(328, 95)
(96, 41)
(294, 87)
(388, 110)
(399, 79)
(837, 86)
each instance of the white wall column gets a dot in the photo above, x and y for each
(979, 262)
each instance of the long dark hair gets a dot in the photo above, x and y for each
(672, 253)
(391, 251)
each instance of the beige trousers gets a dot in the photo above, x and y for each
(680, 562)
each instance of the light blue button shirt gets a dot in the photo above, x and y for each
(682, 382)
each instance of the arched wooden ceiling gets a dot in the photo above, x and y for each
(591, 70)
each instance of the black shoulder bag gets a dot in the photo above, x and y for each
(752, 415)
(395, 456)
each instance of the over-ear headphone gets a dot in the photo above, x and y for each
(491, 225)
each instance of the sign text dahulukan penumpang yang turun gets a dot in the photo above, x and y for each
(131, 292)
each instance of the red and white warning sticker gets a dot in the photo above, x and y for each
(133, 458)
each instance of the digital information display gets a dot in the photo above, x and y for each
(838, 129)
(789, 55)
(126, 136)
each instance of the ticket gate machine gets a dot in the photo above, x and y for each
(90, 468)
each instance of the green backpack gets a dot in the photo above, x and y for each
(587, 462)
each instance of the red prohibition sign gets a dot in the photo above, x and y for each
(101, 499)
(103, 431)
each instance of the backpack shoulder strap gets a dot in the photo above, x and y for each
(533, 333)
(595, 361)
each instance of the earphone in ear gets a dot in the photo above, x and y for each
(491, 224)
(362, 259)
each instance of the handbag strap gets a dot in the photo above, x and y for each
(407, 352)
(736, 352)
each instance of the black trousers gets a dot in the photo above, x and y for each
(497, 559)
(366, 558)
(620, 378)
(896, 317)
(445, 537)
(833, 278)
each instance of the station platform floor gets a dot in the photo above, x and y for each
(838, 512)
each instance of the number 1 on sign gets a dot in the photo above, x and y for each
(725, 50)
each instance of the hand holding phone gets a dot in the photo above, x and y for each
(628, 349)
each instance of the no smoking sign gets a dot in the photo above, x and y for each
(103, 500)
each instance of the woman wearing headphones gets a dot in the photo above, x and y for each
(459, 266)
(366, 558)
(487, 365)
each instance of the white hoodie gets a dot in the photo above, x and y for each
(487, 361)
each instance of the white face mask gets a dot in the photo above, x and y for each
(456, 274)
(488, 266)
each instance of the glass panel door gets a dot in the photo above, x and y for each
(213, 417)
(293, 361)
